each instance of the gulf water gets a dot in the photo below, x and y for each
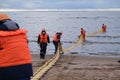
(70, 23)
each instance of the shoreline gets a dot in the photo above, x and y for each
(80, 67)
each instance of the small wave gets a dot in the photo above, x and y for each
(90, 42)
(74, 52)
(105, 36)
(86, 41)
(105, 54)
(32, 41)
(51, 41)
(69, 41)
(76, 17)
(83, 17)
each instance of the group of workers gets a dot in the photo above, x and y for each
(43, 39)
(15, 58)
(83, 32)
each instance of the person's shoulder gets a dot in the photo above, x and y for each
(47, 34)
(58, 33)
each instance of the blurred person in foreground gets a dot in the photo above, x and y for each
(15, 58)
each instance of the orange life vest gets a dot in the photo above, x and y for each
(83, 32)
(104, 28)
(43, 38)
(55, 38)
(14, 48)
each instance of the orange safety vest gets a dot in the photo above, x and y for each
(104, 28)
(83, 31)
(43, 38)
(55, 38)
(14, 48)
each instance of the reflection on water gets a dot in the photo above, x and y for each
(70, 24)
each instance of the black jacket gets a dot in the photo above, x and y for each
(16, 72)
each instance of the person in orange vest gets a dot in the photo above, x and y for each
(56, 40)
(83, 33)
(43, 39)
(15, 58)
(104, 27)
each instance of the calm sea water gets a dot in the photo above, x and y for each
(70, 23)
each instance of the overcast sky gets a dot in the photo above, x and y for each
(59, 4)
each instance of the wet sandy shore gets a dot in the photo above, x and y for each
(80, 67)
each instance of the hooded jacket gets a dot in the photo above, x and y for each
(14, 48)
(15, 58)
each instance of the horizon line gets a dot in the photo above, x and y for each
(109, 9)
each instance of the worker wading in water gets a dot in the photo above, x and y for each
(43, 39)
(83, 33)
(104, 27)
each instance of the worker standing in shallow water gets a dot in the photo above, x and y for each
(56, 41)
(104, 27)
(83, 33)
(15, 58)
(43, 39)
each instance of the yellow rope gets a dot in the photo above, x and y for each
(100, 31)
(74, 45)
(43, 69)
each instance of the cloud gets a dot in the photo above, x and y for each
(59, 4)
(29, 5)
